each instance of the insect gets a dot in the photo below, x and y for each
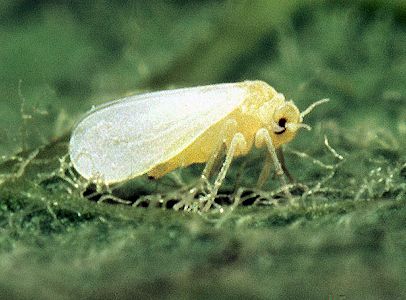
(157, 132)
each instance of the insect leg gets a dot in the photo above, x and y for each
(266, 171)
(262, 136)
(281, 157)
(214, 162)
(237, 141)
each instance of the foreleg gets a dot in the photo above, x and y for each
(281, 159)
(263, 136)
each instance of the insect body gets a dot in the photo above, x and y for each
(157, 132)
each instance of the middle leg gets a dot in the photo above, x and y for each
(238, 142)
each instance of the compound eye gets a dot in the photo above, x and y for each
(281, 123)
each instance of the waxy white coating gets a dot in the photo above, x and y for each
(128, 137)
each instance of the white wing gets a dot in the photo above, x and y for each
(128, 137)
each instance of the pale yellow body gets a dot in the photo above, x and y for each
(262, 108)
(158, 132)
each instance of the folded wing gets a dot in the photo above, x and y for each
(128, 137)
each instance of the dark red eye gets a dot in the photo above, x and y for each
(282, 122)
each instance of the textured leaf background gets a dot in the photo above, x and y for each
(344, 238)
